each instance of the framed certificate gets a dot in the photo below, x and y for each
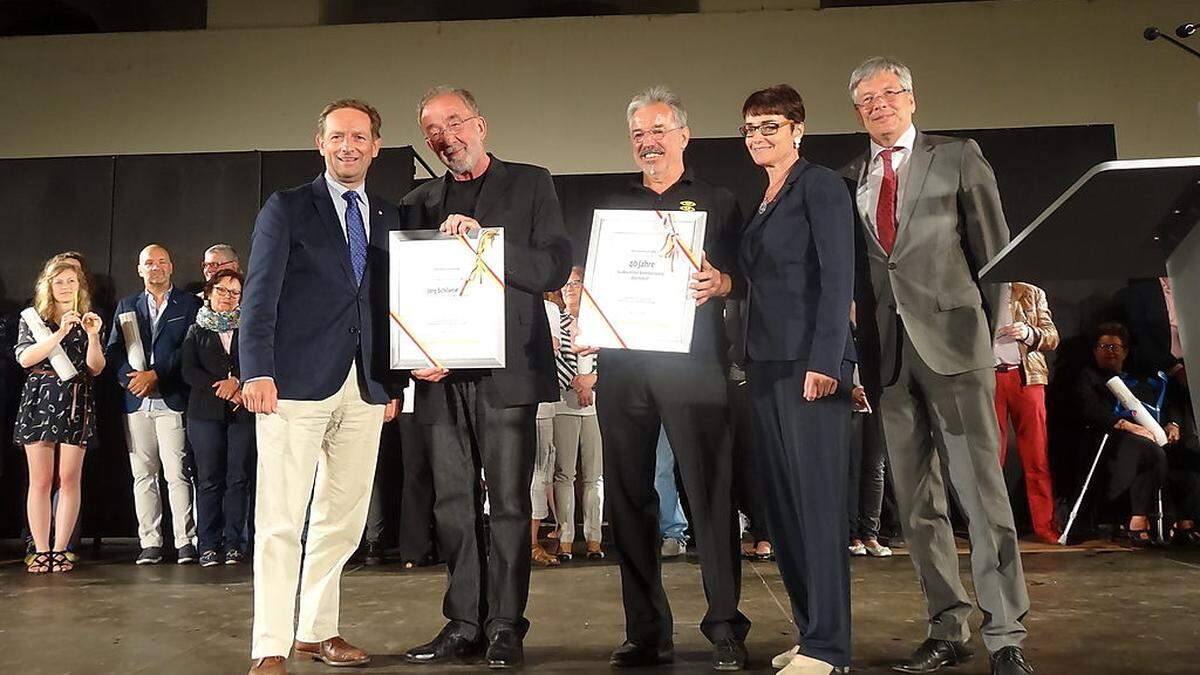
(446, 301)
(635, 289)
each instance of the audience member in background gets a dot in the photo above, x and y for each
(868, 466)
(1149, 309)
(747, 496)
(57, 414)
(540, 488)
(672, 520)
(1136, 464)
(798, 256)
(218, 425)
(577, 440)
(931, 218)
(686, 394)
(1027, 330)
(155, 400)
(219, 257)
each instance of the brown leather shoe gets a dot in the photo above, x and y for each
(271, 665)
(334, 652)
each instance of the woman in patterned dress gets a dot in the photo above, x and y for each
(54, 413)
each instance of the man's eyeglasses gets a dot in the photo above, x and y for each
(452, 128)
(226, 293)
(1112, 348)
(654, 134)
(888, 95)
(766, 128)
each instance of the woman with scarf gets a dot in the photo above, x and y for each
(58, 343)
(219, 427)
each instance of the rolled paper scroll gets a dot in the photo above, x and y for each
(58, 358)
(133, 340)
(1134, 406)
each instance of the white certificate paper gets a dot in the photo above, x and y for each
(446, 301)
(639, 266)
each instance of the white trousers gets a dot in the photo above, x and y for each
(156, 443)
(325, 450)
(543, 469)
(577, 444)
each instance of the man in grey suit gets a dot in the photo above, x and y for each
(931, 218)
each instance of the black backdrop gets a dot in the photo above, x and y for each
(109, 207)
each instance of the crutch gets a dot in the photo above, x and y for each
(1088, 481)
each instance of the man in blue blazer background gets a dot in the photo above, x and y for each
(154, 401)
(313, 349)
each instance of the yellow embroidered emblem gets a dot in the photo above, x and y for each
(687, 205)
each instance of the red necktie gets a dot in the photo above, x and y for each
(885, 210)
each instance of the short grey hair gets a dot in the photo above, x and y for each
(466, 96)
(876, 65)
(222, 248)
(657, 94)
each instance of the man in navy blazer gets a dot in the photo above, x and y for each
(312, 346)
(155, 399)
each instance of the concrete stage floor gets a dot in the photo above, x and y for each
(1094, 611)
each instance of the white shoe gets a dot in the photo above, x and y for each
(876, 549)
(858, 549)
(672, 547)
(782, 660)
(806, 665)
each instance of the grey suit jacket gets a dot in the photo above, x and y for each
(950, 225)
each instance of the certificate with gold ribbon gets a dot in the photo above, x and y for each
(446, 301)
(635, 287)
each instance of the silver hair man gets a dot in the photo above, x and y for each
(879, 64)
(657, 94)
(466, 96)
(225, 250)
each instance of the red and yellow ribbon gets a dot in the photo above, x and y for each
(481, 267)
(424, 352)
(587, 294)
(673, 241)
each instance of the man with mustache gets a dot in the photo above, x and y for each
(313, 346)
(686, 394)
(486, 419)
(931, 218)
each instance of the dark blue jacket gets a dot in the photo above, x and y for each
(164, 341)
(798, 260)
(304, 320)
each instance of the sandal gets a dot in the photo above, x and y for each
(1185, 537)
(763, 551)
(59, 562)
(40, 563)
(1140, 538)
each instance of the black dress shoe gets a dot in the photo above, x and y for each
(450, 645)
(933, 654)
(637, 655)
(1010, 661)
(729, 654)
(505, 650)
(374, 555)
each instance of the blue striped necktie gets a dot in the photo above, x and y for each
(356, 235)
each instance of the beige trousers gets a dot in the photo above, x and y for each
(323, 449)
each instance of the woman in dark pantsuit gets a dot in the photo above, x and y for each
(797, 254)
(219, 427)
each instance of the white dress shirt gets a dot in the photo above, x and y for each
(154, 401)
(336, 190)
(867, 196)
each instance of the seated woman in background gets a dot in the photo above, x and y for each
(1136, 463)
(56, 412)
(219, 427)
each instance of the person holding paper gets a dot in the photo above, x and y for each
(798, 257)
(312, 350)
(144, 345)
(637, 391)
(58, 343)
(931, 219)
(1137, 464)
(485, 419)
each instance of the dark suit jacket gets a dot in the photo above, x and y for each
(304, 320)
(164, 342)
(798, 260)
(950, 225)
(537, 258)
(1149, 325)
(205, 361)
